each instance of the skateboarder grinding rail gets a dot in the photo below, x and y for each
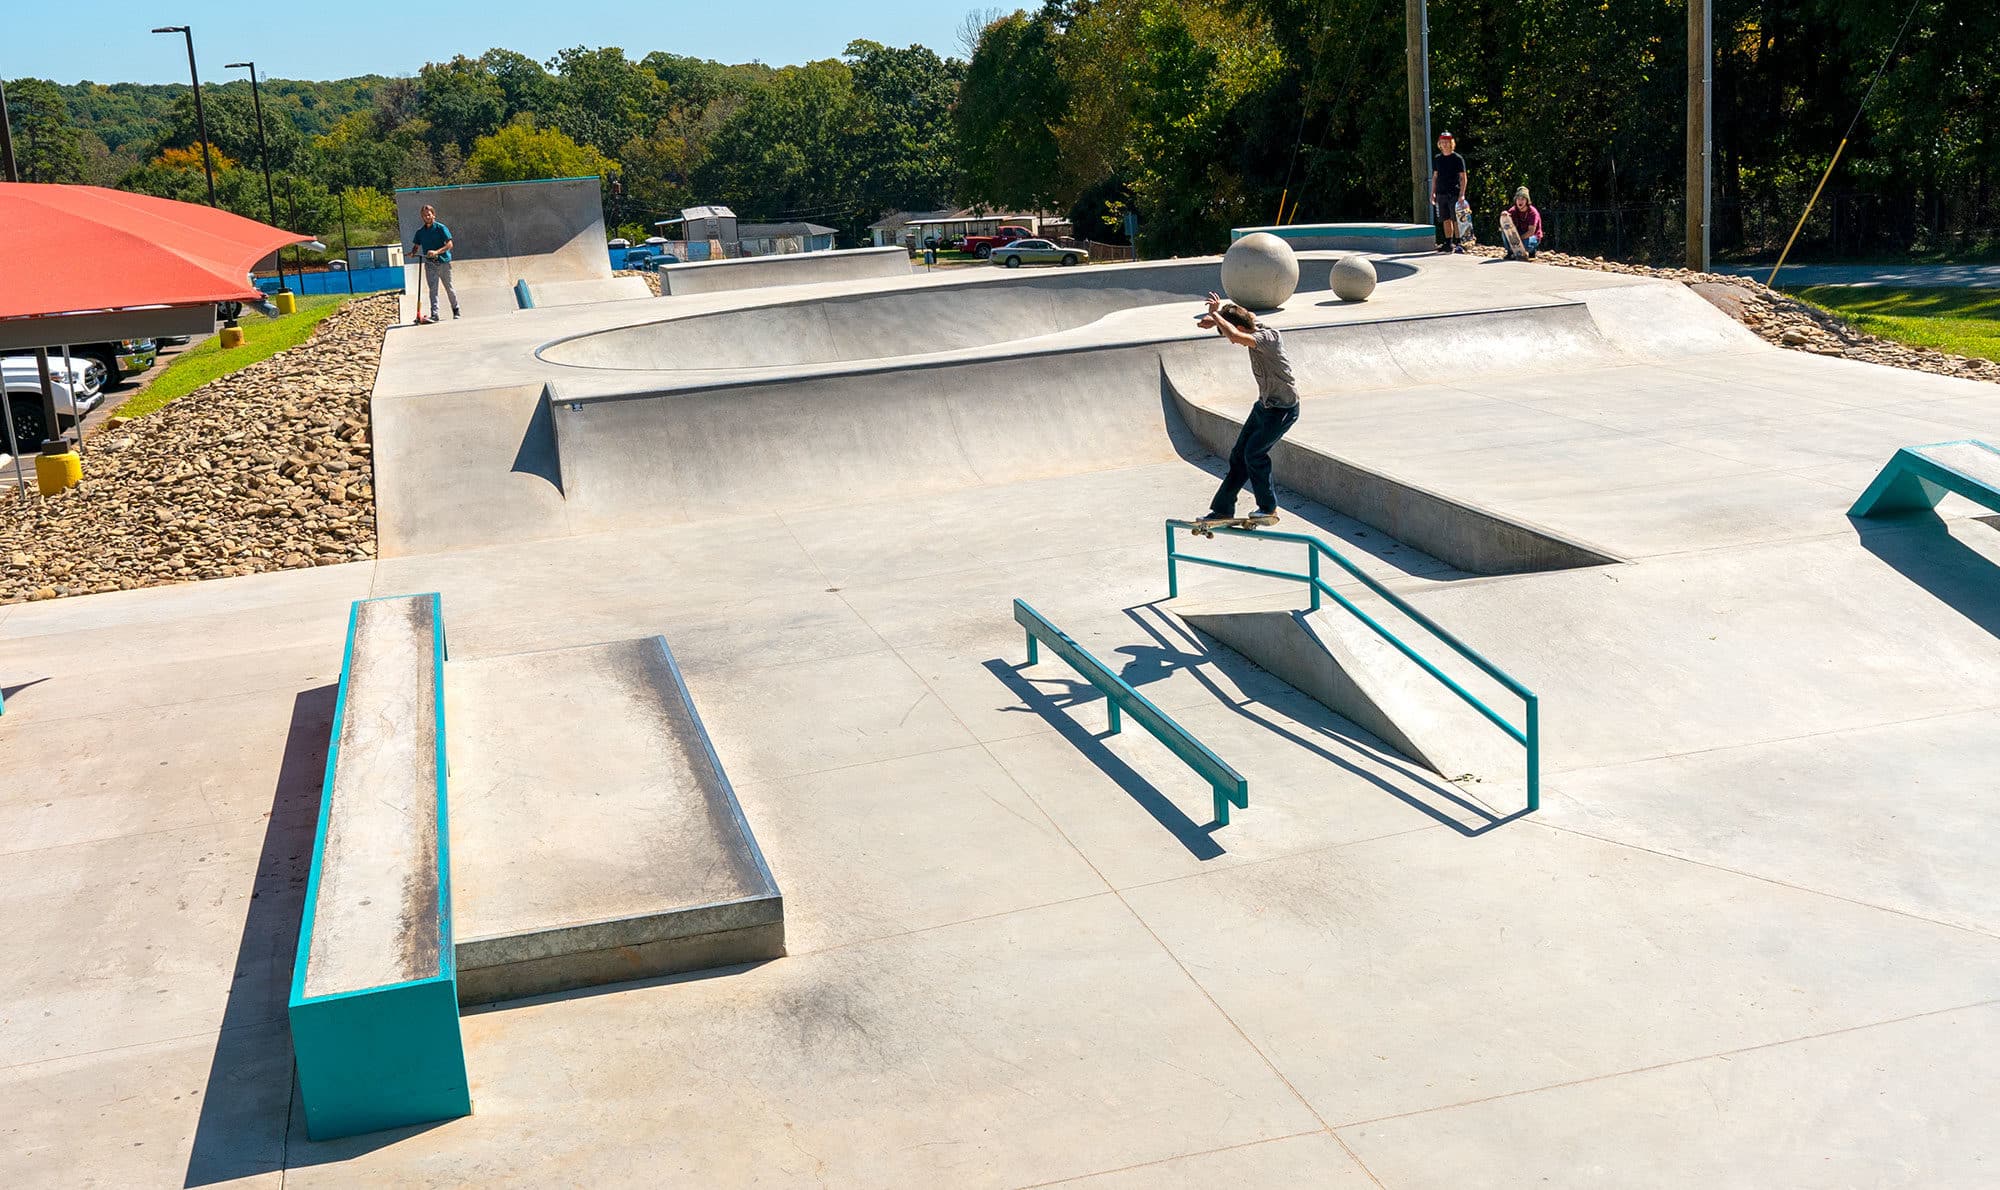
(1277, 410)
(433, 243)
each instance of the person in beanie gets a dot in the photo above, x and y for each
(1448, 179)
(1276, 411)
(1526, 224)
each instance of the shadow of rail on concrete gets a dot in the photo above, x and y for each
(246, 1106)
(1053, 708)
(1419, 789)
(1923, 549)
(246, 1125)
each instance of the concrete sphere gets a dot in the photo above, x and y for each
(1353, 278)
(1259, 271)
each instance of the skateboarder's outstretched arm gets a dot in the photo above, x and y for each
(1213, 320)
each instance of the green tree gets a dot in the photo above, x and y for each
(522, 152)
(904, 151)
(784, 153)
(601, 97)
(1013, 98)
(47, 146)
(460, 101)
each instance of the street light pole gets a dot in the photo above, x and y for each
(264, 152)
(200, 115)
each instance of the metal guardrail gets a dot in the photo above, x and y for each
(1229, 786)
(1528, 734)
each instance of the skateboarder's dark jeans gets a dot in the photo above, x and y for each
(1250, 460)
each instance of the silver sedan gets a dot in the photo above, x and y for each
(1020, 252)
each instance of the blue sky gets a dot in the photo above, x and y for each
(107, 40)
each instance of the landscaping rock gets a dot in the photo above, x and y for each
(1786, 321)
(265, 469)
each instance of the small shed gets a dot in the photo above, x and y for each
(375, 256)
(783, 239)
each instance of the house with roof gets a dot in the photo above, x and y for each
(714, 233)
(912, 229)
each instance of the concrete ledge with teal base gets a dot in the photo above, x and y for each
(374, 1003)
(1385, 238)
(1917, 478)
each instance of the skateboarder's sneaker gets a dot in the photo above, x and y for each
(454, 311)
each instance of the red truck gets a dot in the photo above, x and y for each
(984, 245)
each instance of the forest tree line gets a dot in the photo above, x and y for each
(1194, 115)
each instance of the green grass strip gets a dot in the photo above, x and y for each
(262, 338)
(1960, 321)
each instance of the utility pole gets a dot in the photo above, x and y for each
(264, 152)
(1700, 132)
(1417, 38)
(200, 115)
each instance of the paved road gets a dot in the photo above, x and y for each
(1979, 276)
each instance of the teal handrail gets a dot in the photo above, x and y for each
(1228, 784)
(1528, 734)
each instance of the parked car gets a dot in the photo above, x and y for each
(119, 359)
(983, 246)
(21, 381)
(648, 259)
(1021, 252)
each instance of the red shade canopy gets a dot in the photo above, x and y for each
(70, 248)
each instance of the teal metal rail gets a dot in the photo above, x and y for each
(1229, 785)
(1528, 733)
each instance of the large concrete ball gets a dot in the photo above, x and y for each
(1353, 278)
(1259, 271)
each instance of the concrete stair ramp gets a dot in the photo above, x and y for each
(595, 836)
(1340, 663)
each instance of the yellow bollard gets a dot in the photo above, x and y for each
(58, 473)
(232, 336)
(286, 301)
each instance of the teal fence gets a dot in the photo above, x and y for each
(1527, 734)
(1229, 786)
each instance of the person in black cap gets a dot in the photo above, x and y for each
(1448, 178)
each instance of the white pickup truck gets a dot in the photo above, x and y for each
(81, 391)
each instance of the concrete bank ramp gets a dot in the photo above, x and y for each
(549, 231)
(929, 318)
(594, 835)
(801, 268)
(1334, 658)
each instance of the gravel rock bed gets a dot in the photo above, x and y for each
(1784, 320)
(266, 469)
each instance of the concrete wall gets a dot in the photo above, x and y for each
(756, 272)
(550, 230)
(1386, 238)
(971, 313)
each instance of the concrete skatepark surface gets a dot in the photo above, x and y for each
(1752, 939)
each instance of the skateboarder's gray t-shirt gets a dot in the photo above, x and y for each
(1268, 363)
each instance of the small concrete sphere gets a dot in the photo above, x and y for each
(1260, 271)
(1353, 278)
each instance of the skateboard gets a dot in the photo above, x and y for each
(1463, 214)
(1206, 526)
(1512, 235)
